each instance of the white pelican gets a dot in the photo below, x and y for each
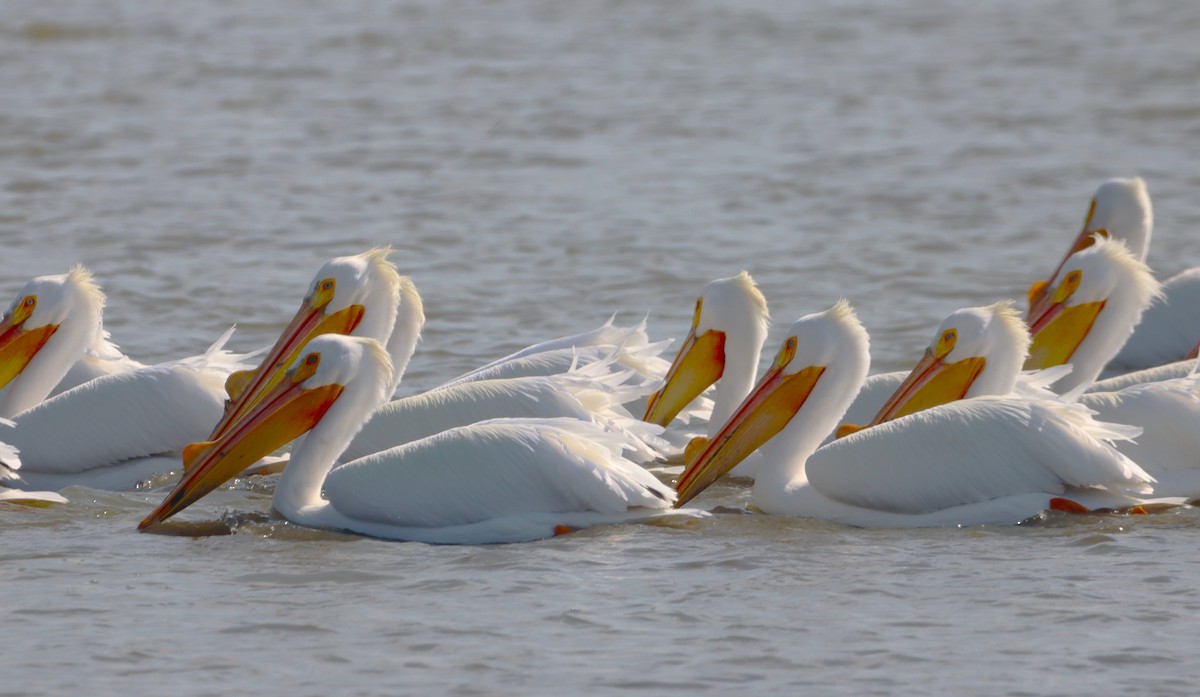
(978, 461)
(723, 346)
(1121, 210)
(1083, 319)
(497, 481)
(364, 295)
(103, 432)
(1086, 315)
(963, 361)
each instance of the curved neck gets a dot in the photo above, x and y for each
(1108, 334)
(783, 457)
(48, 367)
(410, 319)
(314, 454)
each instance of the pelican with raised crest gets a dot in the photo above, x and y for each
(1082, 321)
(1121, 210)
(123, 422)
(722, 347)
(975, 461)
(364, 295)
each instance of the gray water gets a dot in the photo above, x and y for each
(539, 165)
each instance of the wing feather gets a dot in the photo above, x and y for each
(492, 470)
(970, 451)
(148, 411)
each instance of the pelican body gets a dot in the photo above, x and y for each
(1106, 287)
(496, 481)
(1121, 210)
(108, 430)
(974, 461)
(365, 296)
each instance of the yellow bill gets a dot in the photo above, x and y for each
(245, 391)
(284, 414)
(765, 412)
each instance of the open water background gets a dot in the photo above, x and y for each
(539, 165)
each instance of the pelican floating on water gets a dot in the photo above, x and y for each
(506, 480)
(106, 431)
(1083, 319)
(364, 295)
(1121, 210)
(977, 461)
(722, 347)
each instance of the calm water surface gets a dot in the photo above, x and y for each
(539, 165)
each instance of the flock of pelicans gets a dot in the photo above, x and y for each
(1001, 419)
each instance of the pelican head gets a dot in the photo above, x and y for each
(819, 367)
(1087, 314)
(46, 330)
(333, 372)
(353, 295)
(1120, 210)
(729, 325)
(976, 351)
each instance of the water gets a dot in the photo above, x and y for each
(539, 165)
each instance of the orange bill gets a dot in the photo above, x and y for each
(245, 391)
(699, 363)
(1083, 240)
(18, 345)
(931, 383)
(1058, 331)
(284, 414)
(764, 413)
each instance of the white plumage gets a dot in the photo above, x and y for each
(497, 481)
(976, 461)
(591, 393)
(101, 433)
(364, 295)
(1121, 210)
(1170, 327)
(104, 431)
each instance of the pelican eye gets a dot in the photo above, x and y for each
(786, 353)
(312, 359)
(696, 315)
(327, 285)
(946, 342)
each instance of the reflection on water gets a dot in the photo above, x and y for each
(539, 165)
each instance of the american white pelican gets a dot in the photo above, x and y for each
(496, 481)
(104, 432)
(962, 362)
(364, 295)
(1083, 319)
(53, 327)
(1089, 311)
(1121, 210)
(723, 346)
(983, 346)
(977, 461)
